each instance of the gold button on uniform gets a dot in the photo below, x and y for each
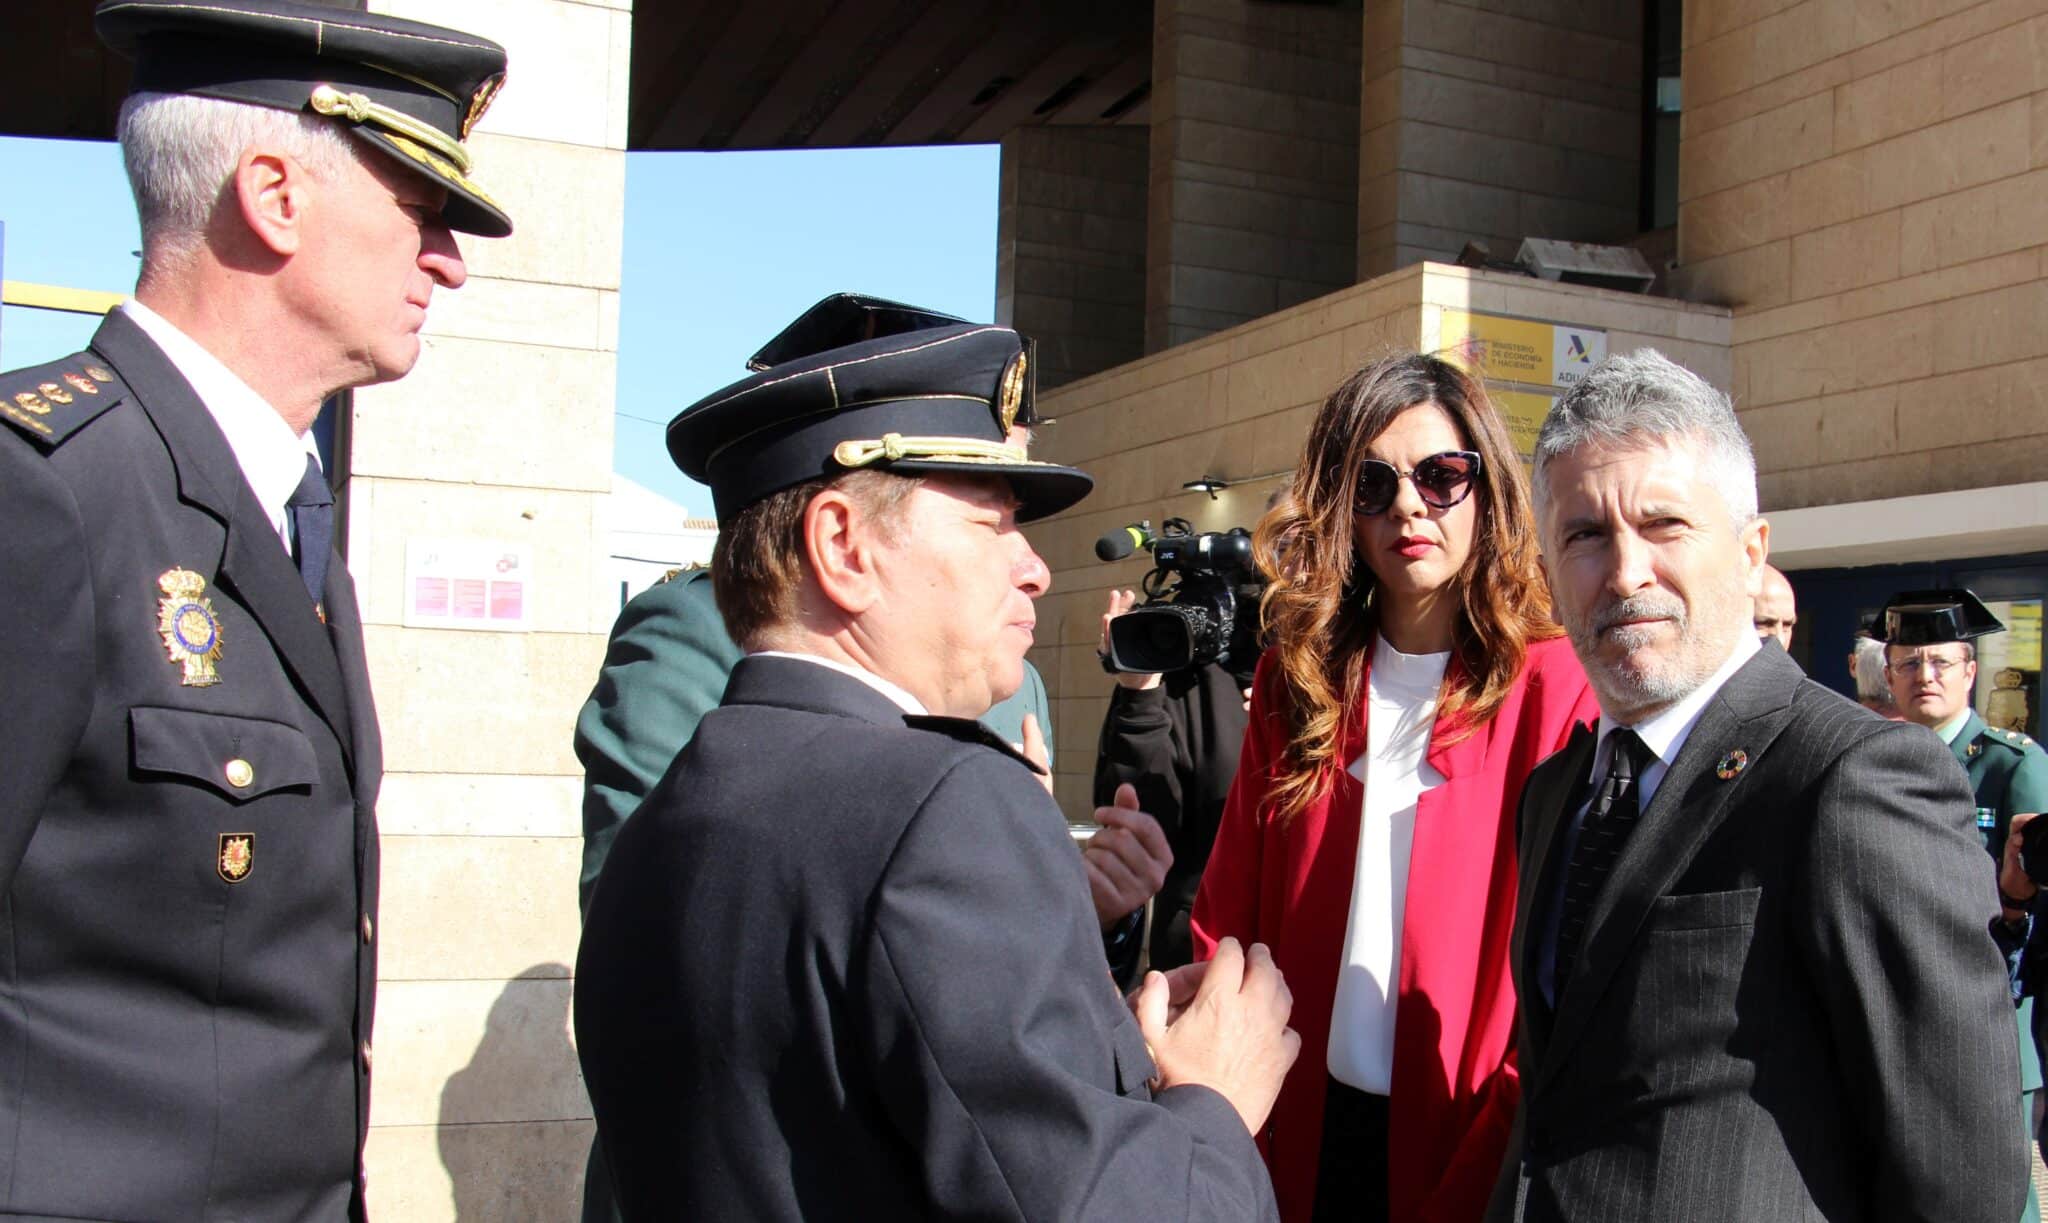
(368, 929)
(240, 773)
(366, 1055)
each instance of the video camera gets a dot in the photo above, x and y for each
(1201, 600)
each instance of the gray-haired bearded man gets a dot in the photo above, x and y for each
(1751, 940)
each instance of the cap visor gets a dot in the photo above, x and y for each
(469, 210)
(1042, 489)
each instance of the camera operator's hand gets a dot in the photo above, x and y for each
(1232, 1035)
(2012, 877)
(1121, 601)
(1127, 860)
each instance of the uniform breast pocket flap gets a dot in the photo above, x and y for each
(1705, 910)
(241, 758)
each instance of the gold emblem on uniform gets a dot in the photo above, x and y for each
(1011, 397)
(85, 385)
(98, 374)
(1731, 764)
(32, 402)
(237, 856)
(190, 630)
(54, 392)
(480, 101)
(1973, 749)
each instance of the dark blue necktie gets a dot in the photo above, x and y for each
(1602, 834)
(311, 507)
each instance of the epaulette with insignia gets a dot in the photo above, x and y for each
(51, 402)
(969, 730)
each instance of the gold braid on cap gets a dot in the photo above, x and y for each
(893, 446)
(356, 108)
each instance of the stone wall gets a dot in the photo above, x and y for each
(503, 433)
(1254, 162)
(1868, 186)
(1496, 121)
(1070, 246)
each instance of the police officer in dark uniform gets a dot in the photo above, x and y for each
(841, 963)
(1931, 663)
(188, 852)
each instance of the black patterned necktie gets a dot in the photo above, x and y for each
(1602, 834)
(311, 507)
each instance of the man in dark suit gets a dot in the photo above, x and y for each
(1751, 939)
(188, 852)
(841, 962)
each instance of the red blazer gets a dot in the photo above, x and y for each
(1289, 886)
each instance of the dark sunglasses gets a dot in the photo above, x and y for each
(1441, 480)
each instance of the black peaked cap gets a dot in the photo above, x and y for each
(932, 401)
(1932, 617)
(411, 90)
(842, 319)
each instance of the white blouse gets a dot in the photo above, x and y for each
(1401, 699)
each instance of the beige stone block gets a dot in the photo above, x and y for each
(476, 907)
(1752, 325)
(2008, 215)
(479, 805)
(1766, 96)
(466, 1052)
(566, 532)
(1976, 407)
(1737, 219)
(484, 1173)
(562, 75)
(1852, 355)
(1888, 104)
(1992, 328)
(526, 312)
(1978, 148)
(1997, 67)
(560, 235)
(1777, 140)
(480, 412)
(2037, 122)
(457, 702)
(1847, 256)
(1750, 279)
(1783, 436)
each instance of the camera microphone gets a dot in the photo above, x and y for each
(1123, 541)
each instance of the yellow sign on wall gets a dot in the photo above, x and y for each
(1523, 413)
(1501, 349)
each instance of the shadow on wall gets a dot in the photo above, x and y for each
(515, 1123)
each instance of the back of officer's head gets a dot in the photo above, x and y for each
(759, 563)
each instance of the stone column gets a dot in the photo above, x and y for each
(1497, 120)
(1254, 162)
(503, 434)
(1070, 246)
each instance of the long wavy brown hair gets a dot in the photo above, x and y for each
(1320, 610)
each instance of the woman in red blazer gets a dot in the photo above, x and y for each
(1405, 583)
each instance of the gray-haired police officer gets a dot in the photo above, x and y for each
(188, 851)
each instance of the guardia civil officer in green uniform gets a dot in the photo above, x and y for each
(188, 846)
(1931, 664)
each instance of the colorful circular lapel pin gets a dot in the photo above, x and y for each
(1731, 764)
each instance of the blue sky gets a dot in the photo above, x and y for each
(721, 249)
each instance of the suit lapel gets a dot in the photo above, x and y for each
(1549, 809)
(1691, 802)
(253, 564)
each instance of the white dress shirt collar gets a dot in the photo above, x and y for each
(903, 700)
(271, 456)
(1666, 733)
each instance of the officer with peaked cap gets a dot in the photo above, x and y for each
(841, 963)
(1931, 663)
(188, 852)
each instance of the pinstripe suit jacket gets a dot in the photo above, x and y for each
(1787, 1005)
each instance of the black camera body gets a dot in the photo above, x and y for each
(1201, 603)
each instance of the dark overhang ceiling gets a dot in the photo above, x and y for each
(738, 74)
(720, 74)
